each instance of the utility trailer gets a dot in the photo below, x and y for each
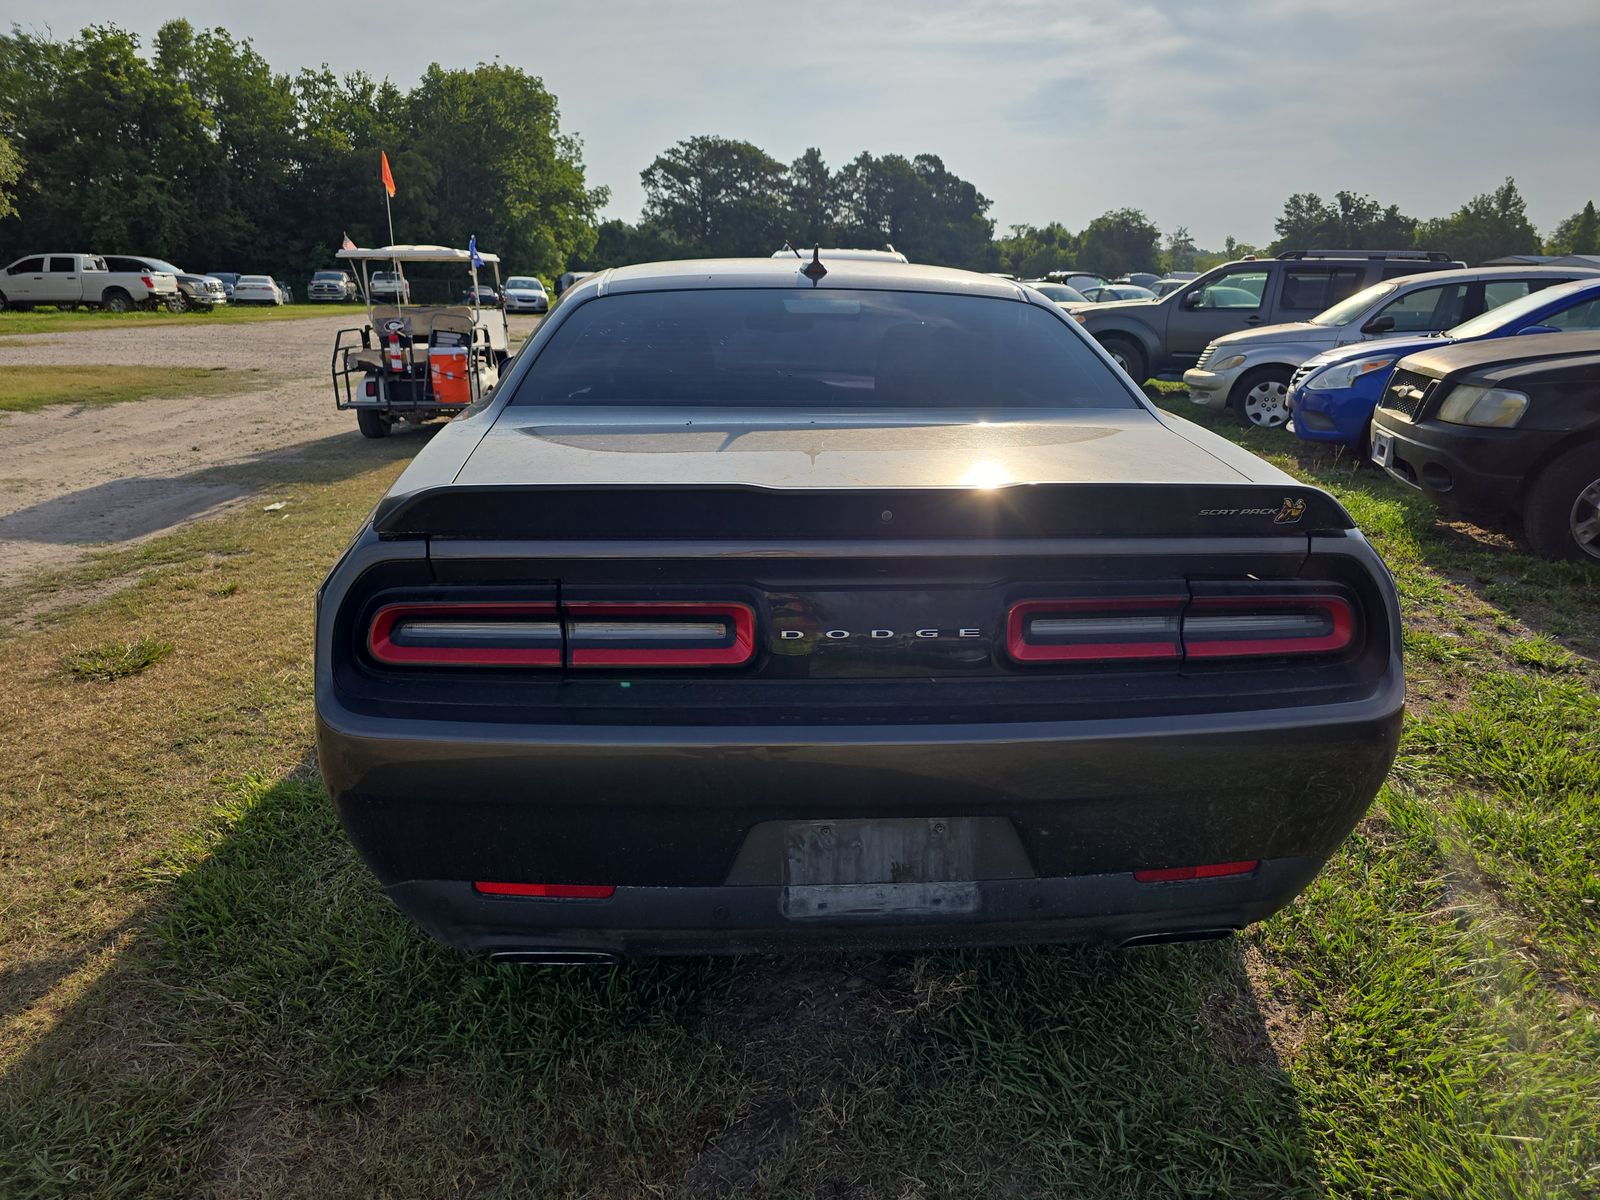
(418, 361)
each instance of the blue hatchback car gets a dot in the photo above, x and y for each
(1333, 394)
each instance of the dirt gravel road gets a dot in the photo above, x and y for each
(77, 477)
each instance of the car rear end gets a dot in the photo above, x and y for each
(585, 688)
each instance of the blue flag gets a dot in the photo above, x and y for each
(472, 250)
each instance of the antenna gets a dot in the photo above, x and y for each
(792, 250)
(814, 270)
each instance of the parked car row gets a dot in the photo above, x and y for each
(1504, 431)
(73, 280)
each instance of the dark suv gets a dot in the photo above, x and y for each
(1165, 336)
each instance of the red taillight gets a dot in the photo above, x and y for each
(1209, 871)
(659, 634)
(581, 634)
(466, 634)
(548, 891)
(1258, 626)
(148, 282)
(1130, 628)
(1094, 629)
(372, 387)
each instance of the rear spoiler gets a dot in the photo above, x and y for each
(605, 512)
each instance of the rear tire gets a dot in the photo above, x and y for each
(1562, 516)
(372, 423)
(117, 301)
(1259, 397)
(1130, 357)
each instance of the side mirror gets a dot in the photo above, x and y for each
(1537, 329)
(1192, 299)
(1379, 325)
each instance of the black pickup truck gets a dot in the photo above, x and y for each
(769, 604)
(1165, 336)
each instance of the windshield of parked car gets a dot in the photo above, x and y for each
(163, 268)
(1516, 313)
(1351, 307)
(783, 348)
(336, 276)
(1060, 293)
(525, 285)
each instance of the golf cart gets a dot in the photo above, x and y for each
(421, 360)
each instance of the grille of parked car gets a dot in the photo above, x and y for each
(1299, 376)
(1406, 393)
(1205, 355)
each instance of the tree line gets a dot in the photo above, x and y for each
(201, 153)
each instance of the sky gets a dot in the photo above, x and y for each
(1206, 114)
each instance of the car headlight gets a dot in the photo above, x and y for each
(1469, 404)
(1226, 364)
(1345, 374)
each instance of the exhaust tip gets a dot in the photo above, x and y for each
(556, 958)
(1172, 936)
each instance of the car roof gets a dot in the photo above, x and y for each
(708, 273)
(1474, 274)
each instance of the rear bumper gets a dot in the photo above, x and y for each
(664, 815)
(1114, 909)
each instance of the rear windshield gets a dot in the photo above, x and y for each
(771, 348)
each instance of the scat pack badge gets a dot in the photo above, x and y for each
(1293, 509)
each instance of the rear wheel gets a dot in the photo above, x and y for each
(1562, 516)
(117, 301)
(373, 424)
(1261, 396)
(1129, 356)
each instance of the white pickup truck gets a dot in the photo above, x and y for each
(72, 279)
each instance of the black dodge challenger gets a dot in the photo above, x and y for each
(776, 604)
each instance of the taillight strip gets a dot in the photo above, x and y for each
(1107, 629)
(1259, 626)
(669, 633)
(462, 634)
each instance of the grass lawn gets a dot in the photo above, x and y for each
(204, 994)
(52, 320)
(23, 389)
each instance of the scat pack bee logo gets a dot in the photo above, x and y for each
(1292, 510)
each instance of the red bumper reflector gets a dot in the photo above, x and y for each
(1209, 871)
(548, 891)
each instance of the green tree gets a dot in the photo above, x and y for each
(1032, 251)
(717, 196)
(501, 167)
(812, 198)
(1487, 226)
(114, 149)
(918, 206)
(1118, 242)
(1578, 234)
(1180, 251)
(10, 175)
(1350, 222)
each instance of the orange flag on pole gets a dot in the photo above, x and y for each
(388, 178)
